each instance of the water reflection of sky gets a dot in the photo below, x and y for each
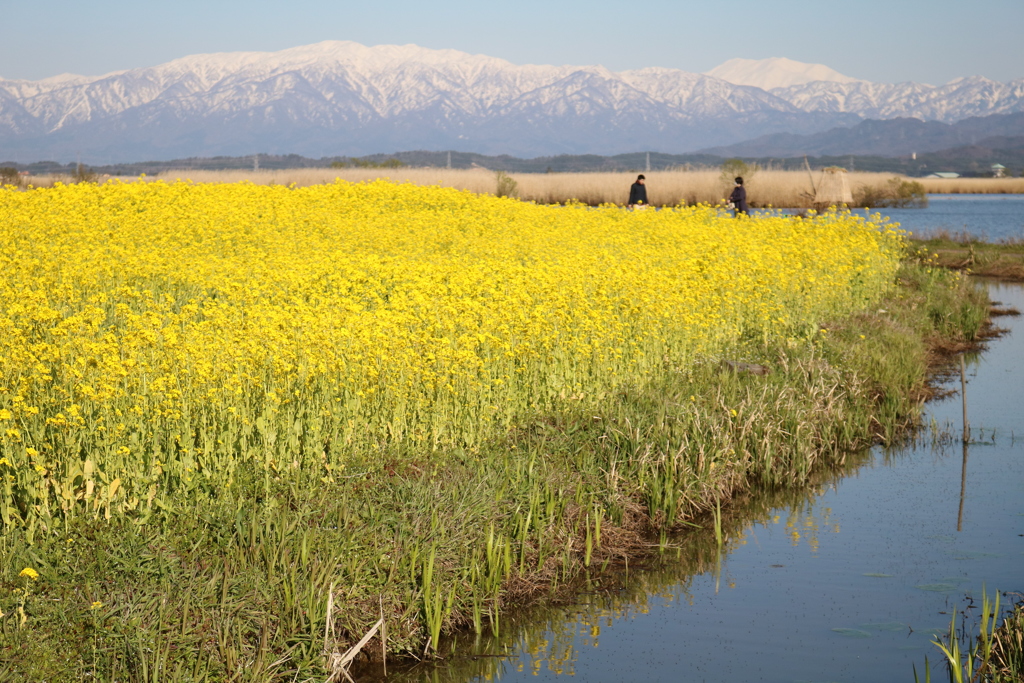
(849, 587)
(993, 217)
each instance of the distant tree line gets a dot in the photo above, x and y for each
(368, 163)
(968, 162)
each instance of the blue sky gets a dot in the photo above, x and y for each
(878, 40)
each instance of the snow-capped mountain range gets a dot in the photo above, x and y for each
(343, 98)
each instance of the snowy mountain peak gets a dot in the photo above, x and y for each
(775, 72)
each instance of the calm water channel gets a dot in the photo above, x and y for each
(845, 581)
(993, 217)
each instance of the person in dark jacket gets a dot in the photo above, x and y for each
(637, 193)
(738, 198)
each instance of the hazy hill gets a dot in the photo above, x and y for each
(892, 138)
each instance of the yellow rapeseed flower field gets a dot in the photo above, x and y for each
(161, 336)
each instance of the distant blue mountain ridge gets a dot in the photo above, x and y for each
(892, 138)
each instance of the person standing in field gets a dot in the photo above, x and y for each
(637, 193)
(738, 198)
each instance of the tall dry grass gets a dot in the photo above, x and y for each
(973, 185)
(670, 188)
(776, 188)
(664, 188)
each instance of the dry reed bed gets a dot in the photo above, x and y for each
(767, 188)
(665, 188)
(972, 185)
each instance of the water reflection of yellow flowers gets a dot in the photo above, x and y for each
(804, 523)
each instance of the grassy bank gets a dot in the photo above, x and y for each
(544, 635)
(238, 586)
(996, 653)
(1001, 260)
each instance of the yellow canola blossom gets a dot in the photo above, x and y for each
(156, 335)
